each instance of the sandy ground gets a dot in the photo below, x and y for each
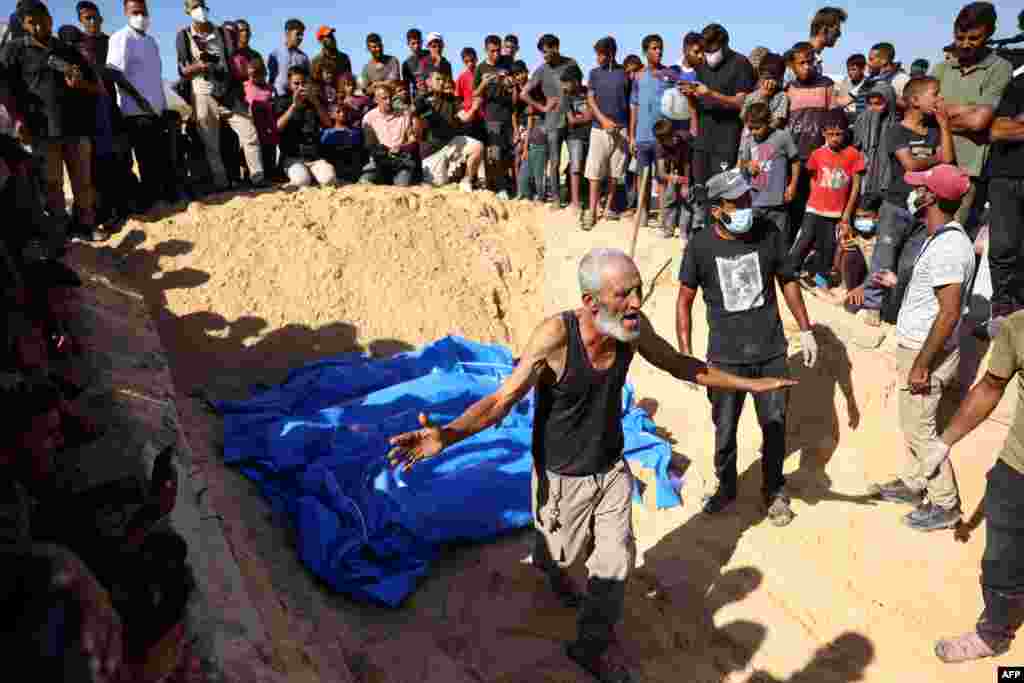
(845, 593)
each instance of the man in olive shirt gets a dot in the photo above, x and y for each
(971, 83)
(1002, 565)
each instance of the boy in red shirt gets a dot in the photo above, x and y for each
(835, 170)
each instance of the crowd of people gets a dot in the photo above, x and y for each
(878, 193)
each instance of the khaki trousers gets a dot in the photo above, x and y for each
(76, 154)
(917, 421)
(209, 119)
(588, 516)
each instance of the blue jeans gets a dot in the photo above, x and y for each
(894, 227)
(555, 140)
(532, 172)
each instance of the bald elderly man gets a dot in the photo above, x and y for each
(582, 486)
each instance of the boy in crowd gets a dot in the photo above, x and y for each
(882, 67)
(472, 113)
(436, 61)
(390, 140)
(533, 166)
(300, 118)
(608, 99)
(381, 67)
(282, 59)
(922, 140)
(260, 98)
(443, 147)
(826, 29)
(855, 249)
(927, 352)
(414, 66)
(835, 171)
(645, 108)
(770, 73)
(244, 52)
(42, 68)
(342, 145)
(771, 163)
(578, 119)
(849, 91)
(510, 51)
(672, 161)
(493, 86)
(329, 50)
(548, 76)
(811, 97)
(737, 262)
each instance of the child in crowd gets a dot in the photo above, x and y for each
(259, 95)
(771, 163)
(770, 74)
(921, 141)
(856, 245)
(835, 171)
(579, 117)
(325, 84)
(811, 98)
(870, 132)
(534, 161)
(342, 144)
(633, 66)
(672, 162)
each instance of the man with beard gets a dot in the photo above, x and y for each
(329, 50)
(582, 486)
(737, 262)
(826, 28)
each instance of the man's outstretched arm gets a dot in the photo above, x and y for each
(411, 447)
(661, 355)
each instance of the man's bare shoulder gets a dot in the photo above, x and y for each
(550, 336)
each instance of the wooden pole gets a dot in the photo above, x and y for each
(641, 209)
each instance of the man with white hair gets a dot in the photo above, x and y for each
(582, 487)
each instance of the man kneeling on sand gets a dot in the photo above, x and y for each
(582, 487)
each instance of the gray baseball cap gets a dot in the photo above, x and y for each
(727, 185)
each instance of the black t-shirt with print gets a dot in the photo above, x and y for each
(51, 108)
(498, 102)
(921, 146)
(301, 137)
(720, 127)
(738, 279)
(1007, 158)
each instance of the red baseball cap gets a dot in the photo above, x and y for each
(945, 180)
(323, 32)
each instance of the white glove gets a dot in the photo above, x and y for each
(810, 348)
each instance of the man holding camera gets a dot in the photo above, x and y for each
(55, 90)
(204, 57)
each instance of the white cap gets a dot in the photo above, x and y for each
(431, 37)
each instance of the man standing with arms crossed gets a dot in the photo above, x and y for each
(582, 487)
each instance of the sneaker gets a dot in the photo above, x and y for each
(604, 666)
(779, 512)
(667, 233)
(612, 216)
(722, 498)
(930, 517)
(466, 185)
(964, 648)
(896, 491)
(502, 195)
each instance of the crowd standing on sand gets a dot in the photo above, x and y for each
(878, 193)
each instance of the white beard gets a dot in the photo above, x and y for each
(612, 326)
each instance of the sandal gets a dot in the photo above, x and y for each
(963, 648)
(586, 222)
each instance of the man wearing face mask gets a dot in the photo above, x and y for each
(135, 53)
(737, 262)
(723, 82)
(204, 59)
(926, 350)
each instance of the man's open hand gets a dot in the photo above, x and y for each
(412, 447)
(763, 384)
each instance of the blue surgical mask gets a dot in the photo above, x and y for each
(741, 221)
(864, 225)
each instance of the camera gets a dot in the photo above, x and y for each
(208, 58)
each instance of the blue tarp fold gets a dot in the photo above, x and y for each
(316, 447)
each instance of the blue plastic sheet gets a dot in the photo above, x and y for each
(316, 446)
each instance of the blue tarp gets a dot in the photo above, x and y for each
(316, 446)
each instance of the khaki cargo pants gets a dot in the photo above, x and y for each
(588, 516)
(917, 421)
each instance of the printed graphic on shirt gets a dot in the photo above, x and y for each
(741, 282)
(764, 154)
(920, 149)
(833, 178)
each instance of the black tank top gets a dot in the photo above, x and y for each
(577, 426)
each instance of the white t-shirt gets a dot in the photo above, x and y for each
(137, 56)
(945, 260)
